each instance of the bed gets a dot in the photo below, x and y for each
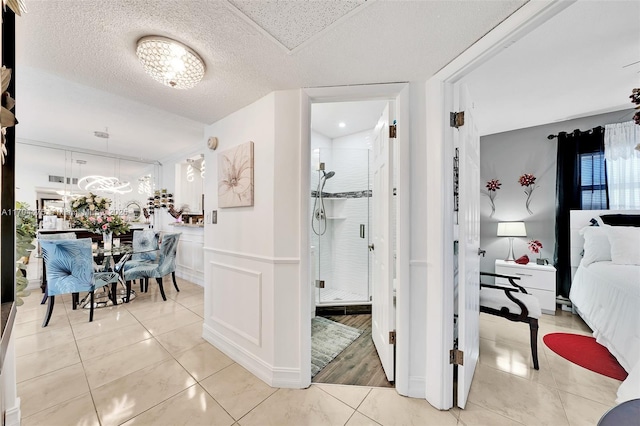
(605, 289)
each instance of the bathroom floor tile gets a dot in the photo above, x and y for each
(128, 396)
(298, 407)
(78, 411)
(191, 406)
(237, 390)
(387, 407)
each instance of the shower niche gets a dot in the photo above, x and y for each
(340, 209)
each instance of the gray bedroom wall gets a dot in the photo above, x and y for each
(506, 156)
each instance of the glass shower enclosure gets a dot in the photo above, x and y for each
(340, 210)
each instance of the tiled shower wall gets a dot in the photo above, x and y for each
(342, 258)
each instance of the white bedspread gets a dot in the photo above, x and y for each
(607, 297)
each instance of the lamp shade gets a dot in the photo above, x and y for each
(511, 229)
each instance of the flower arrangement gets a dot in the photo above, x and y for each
(535, 247)
(528, 180)
(91, 202)
(102, 223)
(492, 187)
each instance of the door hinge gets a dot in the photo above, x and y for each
(392, 130)
(456, 119)
(392, 337)
(456, 357)
(319, 283)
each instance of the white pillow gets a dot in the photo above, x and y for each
(625, 244)
(596, 244)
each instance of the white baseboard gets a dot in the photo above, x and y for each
(194, 277)
(274, 377)
(12, 416)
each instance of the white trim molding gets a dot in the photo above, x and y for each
(256, 257)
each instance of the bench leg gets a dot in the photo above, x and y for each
(533, 327)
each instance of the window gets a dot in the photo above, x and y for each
(623, 165)
(593, 181)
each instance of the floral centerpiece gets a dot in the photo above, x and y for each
(528, 180)
(492, 187)
(91, 203)
(103, 223)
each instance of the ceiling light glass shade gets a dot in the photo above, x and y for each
(112, 185)
(170, 62)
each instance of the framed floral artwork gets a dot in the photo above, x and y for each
(235, 176)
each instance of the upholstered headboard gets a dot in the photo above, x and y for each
(578, 220)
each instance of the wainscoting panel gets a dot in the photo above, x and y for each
(190, 256)
(237, 300)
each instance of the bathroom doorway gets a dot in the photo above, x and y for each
(344, 138)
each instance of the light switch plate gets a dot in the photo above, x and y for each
(214, 217)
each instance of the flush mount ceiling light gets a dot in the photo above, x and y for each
(170, 62)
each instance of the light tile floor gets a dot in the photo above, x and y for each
(146, 363)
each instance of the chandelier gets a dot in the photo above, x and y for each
(170, 62)
(108, 184)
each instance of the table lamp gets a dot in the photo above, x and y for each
(511, 229)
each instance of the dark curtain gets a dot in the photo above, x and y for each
(568, 195)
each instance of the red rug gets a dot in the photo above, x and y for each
(585, 352)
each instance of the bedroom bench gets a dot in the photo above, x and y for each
(514, 304)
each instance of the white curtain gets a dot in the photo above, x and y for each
(623, 165)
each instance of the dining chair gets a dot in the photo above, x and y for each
(70, 271)
(165, 265)
(145, 246)
(41, 237)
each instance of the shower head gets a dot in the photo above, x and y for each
(328, 175)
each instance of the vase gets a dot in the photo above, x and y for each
(492, 196)
(529, 191)
(107, 238)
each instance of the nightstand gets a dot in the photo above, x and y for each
(539, 280)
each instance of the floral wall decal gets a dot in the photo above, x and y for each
(492, 187)
(235, 176)
(528, 180)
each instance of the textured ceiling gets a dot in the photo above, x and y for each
(86, 48)
(291, 23)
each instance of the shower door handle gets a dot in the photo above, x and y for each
(371, 247)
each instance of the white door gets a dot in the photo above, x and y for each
(383, 313)
(468, 296)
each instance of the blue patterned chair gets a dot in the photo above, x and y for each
(165, 264)
(70, 270)
(145, 246)
(41, 237)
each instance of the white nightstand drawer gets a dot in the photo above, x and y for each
(530, 278)
(547, 300)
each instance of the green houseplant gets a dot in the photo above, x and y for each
(26, 228)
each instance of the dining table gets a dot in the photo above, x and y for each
(111, 260)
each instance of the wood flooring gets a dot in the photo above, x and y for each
(358, 364)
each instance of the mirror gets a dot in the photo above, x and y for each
(190, 184)
(134, 211)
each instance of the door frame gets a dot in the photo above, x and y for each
(398, 92)
(440, 90)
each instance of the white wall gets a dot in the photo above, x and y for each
(506, 156)
(255, 257)
(252, 255)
